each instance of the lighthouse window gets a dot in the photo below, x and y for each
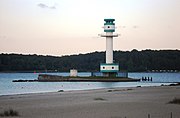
(108, 26)
(103, 67)
(112, 67)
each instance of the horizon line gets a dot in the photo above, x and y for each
(87, 52)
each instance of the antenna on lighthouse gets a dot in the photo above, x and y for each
(109, 68)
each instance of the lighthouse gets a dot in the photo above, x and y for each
(110, 68)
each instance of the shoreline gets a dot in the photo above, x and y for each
(41, 92)
(85, 90)
(162, 84)
(130, 102)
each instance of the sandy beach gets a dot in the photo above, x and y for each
(135, 102)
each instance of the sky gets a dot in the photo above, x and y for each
(66, 27)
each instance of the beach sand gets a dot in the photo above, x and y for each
(135, 102)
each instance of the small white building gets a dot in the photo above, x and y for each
(73, 73)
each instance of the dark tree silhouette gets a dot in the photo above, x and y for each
(136, 61)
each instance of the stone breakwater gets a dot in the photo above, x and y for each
(56, 78)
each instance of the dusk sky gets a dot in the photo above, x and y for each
(65, 27)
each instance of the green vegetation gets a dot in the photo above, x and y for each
(133, 61)
(99, 99)
(176, 84)
(9, 112)
(60, 90)
(175, 101)
(115, 90)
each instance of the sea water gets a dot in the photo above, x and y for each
(7, 87)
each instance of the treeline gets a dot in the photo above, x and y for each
(136, 61)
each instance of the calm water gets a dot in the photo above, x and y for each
(8, 87)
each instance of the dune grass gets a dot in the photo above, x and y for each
(175, 101)
(60, 90)
(9, 112)
(99, 99)
(114, 90)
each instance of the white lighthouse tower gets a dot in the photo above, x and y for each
(109, 68)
